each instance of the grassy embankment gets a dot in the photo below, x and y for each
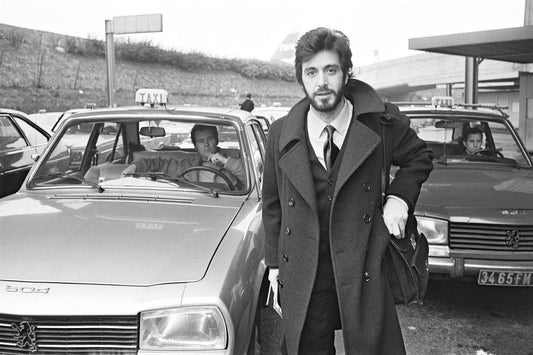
(44, 70)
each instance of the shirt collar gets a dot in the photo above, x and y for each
(315, 125)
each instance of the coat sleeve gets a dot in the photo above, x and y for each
(414, 159)
(271, 200)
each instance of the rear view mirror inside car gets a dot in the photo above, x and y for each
(152, 131)
(446, 124)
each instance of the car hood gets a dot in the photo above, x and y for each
(452, 190)
(116, 240)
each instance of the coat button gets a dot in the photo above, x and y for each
(367, 218)
(367, 187)
(287, 231)
(285, 257)
(330, 182)
(366, 277)
(291, 202)
(330, 198)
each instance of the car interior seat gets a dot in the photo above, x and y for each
(105, 172)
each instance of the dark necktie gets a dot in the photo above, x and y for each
(330, 149)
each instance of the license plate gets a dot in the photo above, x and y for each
(505, 278)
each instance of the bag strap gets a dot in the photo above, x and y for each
(385, 120)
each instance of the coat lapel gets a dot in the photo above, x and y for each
(360, 141)
(359, 144)
(295, 163)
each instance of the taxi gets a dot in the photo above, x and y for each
(476, 208)
(137, 245)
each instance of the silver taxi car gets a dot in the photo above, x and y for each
(120, 252)
(476, 208)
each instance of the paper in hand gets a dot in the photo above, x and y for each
(273, 298)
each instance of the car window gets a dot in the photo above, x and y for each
(505, 143)
(446, 137)
(10, 137)
(150, 151)
(257, 149)
(109, 144)
(35, 137)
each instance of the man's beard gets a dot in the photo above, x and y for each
(322, 105)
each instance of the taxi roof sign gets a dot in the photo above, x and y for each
(151, 97)
(443, 101)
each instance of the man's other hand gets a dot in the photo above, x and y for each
(395, 216)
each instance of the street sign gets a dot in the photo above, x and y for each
(125, 25)
(138, 24)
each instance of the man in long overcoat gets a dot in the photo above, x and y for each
(326, 231)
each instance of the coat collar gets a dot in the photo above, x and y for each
(363, 97)
(359, 143)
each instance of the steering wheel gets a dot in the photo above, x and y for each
(226, 179)
(489, 152)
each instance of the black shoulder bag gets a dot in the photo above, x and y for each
(406, 259)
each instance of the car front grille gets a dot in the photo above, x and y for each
(68, 335)
(487, 237)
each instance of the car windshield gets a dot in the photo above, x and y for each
(470, 140)
(129, 153)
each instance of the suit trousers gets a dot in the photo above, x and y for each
(323, 316)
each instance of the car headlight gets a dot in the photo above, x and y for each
(435, 230)
(188, 328)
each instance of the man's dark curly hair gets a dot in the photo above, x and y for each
(472, 130)
(320, 39)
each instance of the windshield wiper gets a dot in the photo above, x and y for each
(82, 180)
(156, 175)
(441, 160)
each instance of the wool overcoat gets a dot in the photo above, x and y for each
(358, 235)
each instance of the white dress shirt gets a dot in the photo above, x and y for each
(317, 132)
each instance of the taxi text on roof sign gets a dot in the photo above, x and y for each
(151, 97)
(443, 101)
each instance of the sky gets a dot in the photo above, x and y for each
(250, 29)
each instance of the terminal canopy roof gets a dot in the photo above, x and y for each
(509, 45)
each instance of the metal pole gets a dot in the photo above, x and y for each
(471, 80)
(110, 57)
(449, 89)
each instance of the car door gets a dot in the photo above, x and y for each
(20, 142)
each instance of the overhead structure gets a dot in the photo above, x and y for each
(508, 45)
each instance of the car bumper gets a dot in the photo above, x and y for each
(459, 267)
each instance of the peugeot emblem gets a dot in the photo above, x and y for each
(25, 336)
(512, 239)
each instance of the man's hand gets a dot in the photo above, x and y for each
(273, 275)
(273, 291)
(217, 158)
(395, 216)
